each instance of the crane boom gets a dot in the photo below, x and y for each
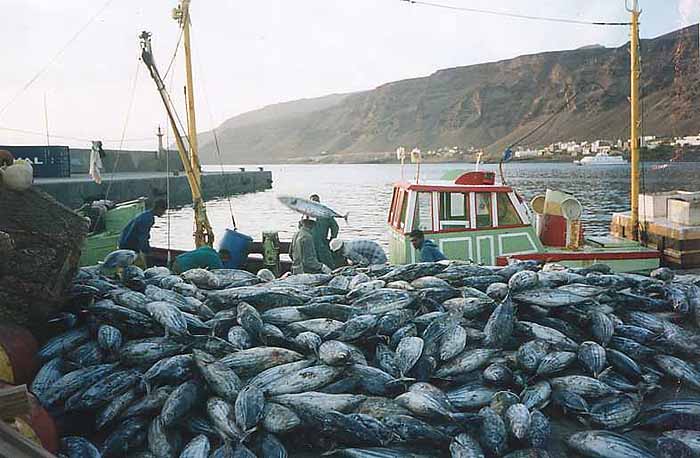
(204, 235)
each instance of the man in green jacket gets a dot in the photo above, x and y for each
(204, 257)
(325, 230)
(303, 252)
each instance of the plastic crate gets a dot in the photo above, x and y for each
(97, 247)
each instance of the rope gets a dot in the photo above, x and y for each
(56, 56)
(227, 189)
(515, 15)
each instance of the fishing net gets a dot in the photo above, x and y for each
(40, 242)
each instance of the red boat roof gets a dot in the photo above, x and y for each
(467, 182)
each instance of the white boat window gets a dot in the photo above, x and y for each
(507, 214)
(403, 197)
(453, 210)
(423, 217)
(484, 218)
(394, 207)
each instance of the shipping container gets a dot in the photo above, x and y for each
(48, 161)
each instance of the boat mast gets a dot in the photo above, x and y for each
(182, 15)
(635, 121)
(203, 235)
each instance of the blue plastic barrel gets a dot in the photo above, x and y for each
(238, 245)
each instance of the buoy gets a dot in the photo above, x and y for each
(37, 426)
(18, 361)
(19, 176)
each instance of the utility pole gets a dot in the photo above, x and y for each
(182, 15)
(635, 120)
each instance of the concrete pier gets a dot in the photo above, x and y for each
(120, 187)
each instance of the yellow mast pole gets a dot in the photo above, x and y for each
(182, 15)
(635, 121)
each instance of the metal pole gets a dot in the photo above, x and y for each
(635, 122)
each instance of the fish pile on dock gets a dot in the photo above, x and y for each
(421, 360)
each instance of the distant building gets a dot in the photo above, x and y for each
(693, 140)
(528, 153)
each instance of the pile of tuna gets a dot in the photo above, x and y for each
(422, 360)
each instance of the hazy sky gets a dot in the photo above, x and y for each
(251, 53)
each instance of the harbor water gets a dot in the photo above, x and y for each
(364, 190)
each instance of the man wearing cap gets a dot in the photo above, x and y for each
(303, 253)
(361, 252)
(325, 230)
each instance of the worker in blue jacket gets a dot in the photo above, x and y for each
(429, 252)
(137, 233)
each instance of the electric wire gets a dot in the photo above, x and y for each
(69, 137)
(514, 15)
(56, 56)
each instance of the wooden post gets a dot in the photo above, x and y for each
(14, 402)
(271, 252)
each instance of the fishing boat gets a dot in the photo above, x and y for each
(602, 158)
(473, 218)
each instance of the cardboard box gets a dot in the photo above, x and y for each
(684, 211)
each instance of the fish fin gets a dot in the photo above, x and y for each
(346, 218)
(400, 381)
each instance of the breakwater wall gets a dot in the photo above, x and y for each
(121, 187)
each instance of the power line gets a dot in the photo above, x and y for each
(514, 15)
(68, 137)
(56, 56)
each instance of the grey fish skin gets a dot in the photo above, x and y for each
(540, 430)
(326, 402)
(537, 395)
(410, 272)
(271, 447)
(277, 372)
(161, 442)
(372, 380)
(149, 351)
(109, 339)
(49, 374)
(499, 326)
(523, 280)
(636, 333)
(197, 448)
(412, 430)
(309, 342)
(618, 381)
(502, 401)
(328, 310)
(667, 447)
(528, 453)
(213, 345)
(592, 356)
(531, 354)
(498, 374)
(253, 361)
(408, 351)
(409, 330)
(170, 370)
(105, 389)
(240, 338)
(250, 320)
(149, 404)
(467, 361)
(555, 362)
(355, 328)
(304, 380)
(570, 401)
(335, 353)
(602, 328)
(518, 420)
(78, 447)
(320, 326)
(624, 364)
(63, 343)
(452, 343)
(279, 419)
(223, 417)
(632, 348)
(688, 437)
(221, 380)
(283, 316)
(605, 444)
(75, 381)
(393, 321)
(549, 335)
(679, 370)
(493, 435)
(437, 328)
(181, 401)
(88, 354)
(249, 407)
(123, 437)
(471, 396)
(463, 446)
(585, 386)
(116, 406)
(616, 411)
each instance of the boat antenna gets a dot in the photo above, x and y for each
(478, 160)
(416, 159)
(632, 7)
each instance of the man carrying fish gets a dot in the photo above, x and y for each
(137, 233)
(325, 230)
(429, 252)
(303, 253)
(360, 252)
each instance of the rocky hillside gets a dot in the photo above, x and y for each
(487, 105)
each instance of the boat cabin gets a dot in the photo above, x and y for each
(471, 218)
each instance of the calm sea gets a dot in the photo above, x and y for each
(365, 191)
